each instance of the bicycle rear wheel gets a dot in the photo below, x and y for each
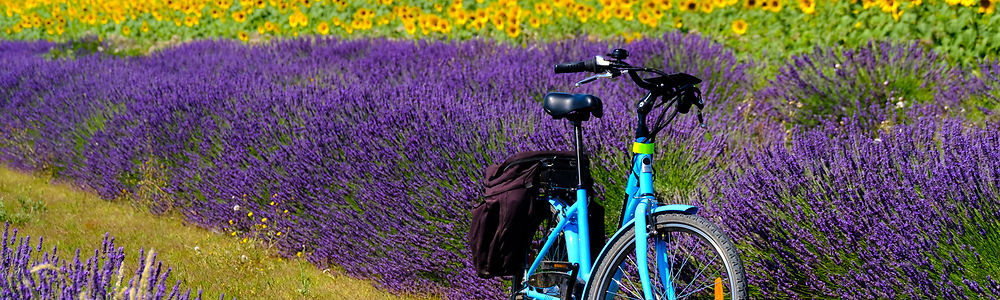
(700, 261)
(557, 252)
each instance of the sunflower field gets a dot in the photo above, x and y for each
(962, 29)
(852, 148)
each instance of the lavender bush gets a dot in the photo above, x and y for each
(868, 83)
(375, 147)
(30, 273)
(840, 213)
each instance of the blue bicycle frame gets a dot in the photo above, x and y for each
(639, 205)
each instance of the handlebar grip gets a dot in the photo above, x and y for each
(577, 67)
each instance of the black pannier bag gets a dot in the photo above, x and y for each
(514, 206)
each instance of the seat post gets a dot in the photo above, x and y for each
(578, 132)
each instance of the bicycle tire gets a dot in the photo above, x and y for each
(624, 244)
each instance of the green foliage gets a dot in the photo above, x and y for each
(27, 209)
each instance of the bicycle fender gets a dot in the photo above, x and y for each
(663, 209)
(676, 209)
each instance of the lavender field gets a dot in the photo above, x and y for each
(870, 172)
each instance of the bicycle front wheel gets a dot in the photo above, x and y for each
(688, 258)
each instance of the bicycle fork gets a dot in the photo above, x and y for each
(642, 212)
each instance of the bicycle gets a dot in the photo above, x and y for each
(667, 260)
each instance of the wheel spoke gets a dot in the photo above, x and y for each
(620, 284)
(695, 291)
(693, 280)
(617, 294)
(681, 241)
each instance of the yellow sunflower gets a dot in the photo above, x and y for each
(707, 7)
(687, 5)
(740, 27)
(298, 19)
(513, 31)
(775, 5)
(987, 6)
(534, 22)
(239, 17)
(410, 27)
(807, 6)
(323, 28)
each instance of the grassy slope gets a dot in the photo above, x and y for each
(74, 219)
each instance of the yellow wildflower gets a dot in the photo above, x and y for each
(126, 30)
(240, 17)
(263, 220)
(249, 214)
(243, 36)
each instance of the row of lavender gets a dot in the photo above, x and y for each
(375, 148)
(30, 273)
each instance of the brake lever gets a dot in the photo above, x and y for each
(587, 80)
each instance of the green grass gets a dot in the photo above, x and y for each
(70, 218)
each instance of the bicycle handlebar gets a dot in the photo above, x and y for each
(596, 65)
(677, 89)
(577, 67)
